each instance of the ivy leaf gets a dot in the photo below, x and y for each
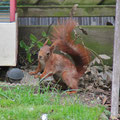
(33, 38)
(49, 42)
(31, 46)
(44, 34)
(39, 44)
(23, 45)
(29, 57)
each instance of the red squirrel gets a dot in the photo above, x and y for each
(60, 65)
(41, 61)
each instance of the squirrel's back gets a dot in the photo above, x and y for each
(62, 39)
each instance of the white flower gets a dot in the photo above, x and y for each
(44, 117)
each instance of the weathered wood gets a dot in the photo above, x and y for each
(63, 10)
(89, 2)
(71, 2)
(109, 2)
(99, 38)
(116, 66)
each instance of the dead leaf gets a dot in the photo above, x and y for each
(114, 118)
(99, 91)
(104, 100)
(90, 87)
(96, 60)
(104, 56)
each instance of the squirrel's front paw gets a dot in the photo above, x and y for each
(31, 73)
(36, 76)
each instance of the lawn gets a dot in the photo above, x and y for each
(24, 103)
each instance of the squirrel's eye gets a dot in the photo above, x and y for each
(48, 54)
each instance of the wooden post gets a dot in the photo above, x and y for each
(116, 65)
(12, 10)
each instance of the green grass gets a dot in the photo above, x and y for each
(22, 104)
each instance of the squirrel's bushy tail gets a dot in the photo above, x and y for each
(62, 38)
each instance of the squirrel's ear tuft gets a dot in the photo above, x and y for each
(45, 42)
(52, 48)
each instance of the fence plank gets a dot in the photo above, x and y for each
(67, 2)
(62, 10)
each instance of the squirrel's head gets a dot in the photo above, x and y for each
(44, 53)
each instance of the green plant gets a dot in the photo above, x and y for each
(45, 36)
(28, 48)
(34, 45)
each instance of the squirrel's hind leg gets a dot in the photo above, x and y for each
(70, 81)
